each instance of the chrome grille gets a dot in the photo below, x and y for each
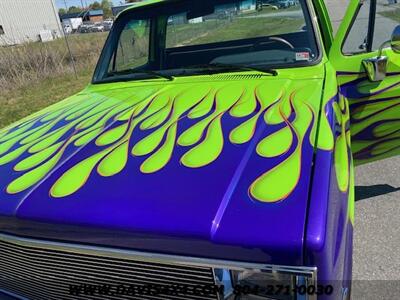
(46, 271)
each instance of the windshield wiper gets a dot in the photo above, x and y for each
(148, 72)
(222, 66)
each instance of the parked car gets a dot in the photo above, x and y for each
(282, 3)
(201, 162)
(85, 28)
(108, 25)
(97, 27)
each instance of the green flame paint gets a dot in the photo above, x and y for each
(109, 119)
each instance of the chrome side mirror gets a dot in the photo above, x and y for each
(376, 67)
(395, 42)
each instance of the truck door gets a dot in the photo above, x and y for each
(370, 78)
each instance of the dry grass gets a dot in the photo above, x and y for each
(30, 63)
(35, 75)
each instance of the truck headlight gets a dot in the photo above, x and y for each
(259, 284)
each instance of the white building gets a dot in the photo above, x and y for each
(28, 20)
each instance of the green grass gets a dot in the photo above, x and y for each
(250, 28)
(17, 104)
(225, 30)
(271, 10)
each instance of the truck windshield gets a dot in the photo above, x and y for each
(201, 37)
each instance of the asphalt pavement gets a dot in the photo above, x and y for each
(376, 261)
(377, 221)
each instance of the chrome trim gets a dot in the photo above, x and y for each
(154, 257)
(395, 40)
(376, 68)
(345, 294)
(316, 31)
(12, 295)
(309, 273)
(215, 283)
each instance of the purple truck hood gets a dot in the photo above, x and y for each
(215, 168)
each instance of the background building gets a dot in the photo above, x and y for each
(28, 20)
(96, 15)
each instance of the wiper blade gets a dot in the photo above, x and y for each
(149, 72)
(222, 66)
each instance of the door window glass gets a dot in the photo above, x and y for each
(356, 41)
(133, 46)
(234, 21)
(386, 17)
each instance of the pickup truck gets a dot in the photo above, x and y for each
(209, 158)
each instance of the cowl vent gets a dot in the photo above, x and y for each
(233, 76)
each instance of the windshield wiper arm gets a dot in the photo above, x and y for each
(149, 72)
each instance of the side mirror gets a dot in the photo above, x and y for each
(395, 42)
(376, 67)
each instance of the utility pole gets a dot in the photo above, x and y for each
(66, 6)
(65, 36)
